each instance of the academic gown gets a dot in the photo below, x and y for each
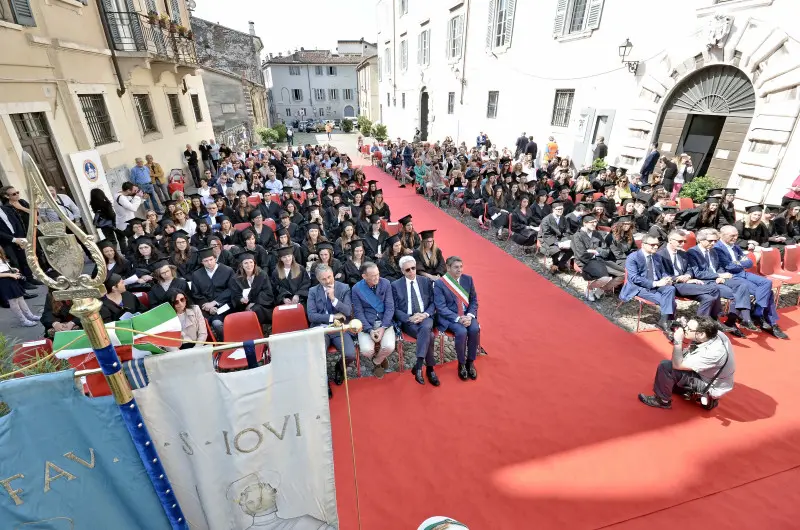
(619, 249)
(539, 212)
(371, 245)
(352, 273)
(200, 240)
(158, 295)
(384, 212)
(111, 312)
(411, 242)
(265, 260)
(265, 238)
(261, 298)
(438, 270)
(220, 287)
(389, 268)
(363, 227)
(759, 234)
(289, 287)
(297, 253)
(270, 211)
(186, 269)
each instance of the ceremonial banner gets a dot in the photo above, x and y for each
(67, 461)
(247, 449)
(161, 320)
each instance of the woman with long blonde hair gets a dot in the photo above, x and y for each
(429, 258)
(290, 279)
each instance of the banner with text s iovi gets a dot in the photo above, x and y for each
(246, 449)
(67, 461)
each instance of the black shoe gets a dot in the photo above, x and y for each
(748, 325)
(759, 322)
(338, 376)
(472, 372)
(736, 332)
(433, 378)
(722, 327)
(4, 304)
(655, 401)
(665, 328)
(27, 296)
(402, 186)
(778, 333)
(417, 373)
(34, 281)
(330, 391)
(29, 286)
(462, 372)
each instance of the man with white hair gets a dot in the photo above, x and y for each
(413, 308)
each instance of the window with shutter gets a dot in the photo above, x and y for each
(594, 12)
(501, 24)
(23, 14)
(490, 29)
(175, 11)
(576, 19)
(561, 17)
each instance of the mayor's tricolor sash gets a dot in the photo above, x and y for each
(161, 321)
(459, 292)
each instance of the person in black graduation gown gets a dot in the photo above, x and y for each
(285, 240)
(726, 207)
(265, 260)
(184, 256)
(265, 236)
(294, 231)
(223, 256)
(707, 215)
(342, 248)
(665, 223)
(289, 279)
(595, 259)
(213, 287)
(226, 233)
(114, 262)
(197, 210)
(56, 316)
(523, 230)
(620, 241)
(409, 237)
(145, 255)
(309, 245)
(776, 227)
(352, 266)
(389, 264)
(201, 234)
(165, 277)
(325, 252)
(540, 209)
(375, 239)
(117, 300)
(380, 207)
(429, 258)
(134, 233)
(261, 297)
(364, 225)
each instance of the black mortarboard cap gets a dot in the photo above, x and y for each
(246, 255)
(312, 226)
(623, 219)
(392, 240)
(255, 213)
(404, 220)
(774, 208)
(731, 191)
(599, 204)
(221, 218)
(346, 223)
(646, 188)
(205, 253)
(712, 200)
(144, 241)
(136, 220)
(374, 218)
(106, 244)
(166, 221)
(282, 232)
(378, 192)
(427, 234)
(283, 214)
(325, 245)
(372, 182)
(195, 196)
(160, 263)
(754, 208)
(356, 243)
(285, 251)
(716, 192)
(669, 209)
(180, 233)
(588, 219)
(609, 185)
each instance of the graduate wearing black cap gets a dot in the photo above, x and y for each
(665, 223)
(389, 264)
(184, 255)
(117, 300)
(341, 247)
(145, 254)
(706, 215)
(265, 236)
(380, 207)
(260, 298)
(792, 218)
(620, 241)
(265, 260)
(375, 239)
(352, 265)
(775, 221)
(290, 279)
(523, 230)
(429, 258)
(598, 266)
(411, 239)
(555, 238)
(166, 277)
(326, 257)
(213, 287)
(752, 232)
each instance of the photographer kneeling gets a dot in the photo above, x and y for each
(706, 368)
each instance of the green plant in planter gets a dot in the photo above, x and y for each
(365, 125)
(599, 164)
(347, 126)
(281, 130)
(698, 188)
(379, 132)
(268, 136)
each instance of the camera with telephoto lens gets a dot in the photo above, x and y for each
(675, 325)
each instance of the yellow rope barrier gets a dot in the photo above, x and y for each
(350, 420)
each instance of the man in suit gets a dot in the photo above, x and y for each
(555, 237)
(703, 260)
(328, 301)
(522, 141)
(531, 148)
(732, 259)
(269, 209)
(650, 161)
(373, 305)
(457, 305)
(213, 288)
(649, 278)
(12, 239)
(413, 309)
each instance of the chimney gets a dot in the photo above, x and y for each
(270, 56)
(252, 28)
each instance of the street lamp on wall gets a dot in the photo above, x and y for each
(624, 51)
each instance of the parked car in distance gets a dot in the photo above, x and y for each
(302, 126)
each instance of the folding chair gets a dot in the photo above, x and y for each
(770, 267)
(240, 227)
(144, 299)
(289, 317)
(691, 238)
(240, 327)
(776, 283)
(449, 334)
(405, 337)
(791, 258)
(27, 352)
(392, 228)
(276, 197)
(300, 197)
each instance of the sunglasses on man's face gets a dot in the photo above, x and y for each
(409, 269)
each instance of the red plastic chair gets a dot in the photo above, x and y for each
(239, 327)
(691, 239)
(27, 352)
(254, 200)
(672, 203)
(144, 299)
(776, 284)
(239, 227)
(770, 267)
(597, 195)
(276, 197)
(685, 203)
(606, 229)
(96, 384)
(271, 223)
(392, 228)
(578, 197)
(299, 197)
(287, 318)
(791, 258)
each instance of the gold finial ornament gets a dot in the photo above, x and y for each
(62, 250)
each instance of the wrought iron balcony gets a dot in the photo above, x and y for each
(134, 32)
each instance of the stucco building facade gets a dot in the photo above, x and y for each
(717, 79)
(316, 84)
(368, 96)
(66, 88)
(232, 76)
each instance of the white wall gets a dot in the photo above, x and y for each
(282, 84)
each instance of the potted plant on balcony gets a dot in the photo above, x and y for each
(163, 20)
(190, 35)
(181, 30)
(152, 17)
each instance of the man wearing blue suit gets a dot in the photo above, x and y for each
(413, 309)
(704, 262)
(329, 301)
(649, 278)
(732, 259)
(457, 305)
(373, 305)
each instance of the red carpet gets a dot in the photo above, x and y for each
(551, 435)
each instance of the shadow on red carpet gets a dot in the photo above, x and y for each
(551, 435)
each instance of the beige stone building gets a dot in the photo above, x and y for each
(105, 75)
(368, 99)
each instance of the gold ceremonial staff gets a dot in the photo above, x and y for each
(65, 255)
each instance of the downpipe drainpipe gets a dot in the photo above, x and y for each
(104, 21)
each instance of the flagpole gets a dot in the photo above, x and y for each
(65, 256)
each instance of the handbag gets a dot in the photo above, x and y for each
(102, 222)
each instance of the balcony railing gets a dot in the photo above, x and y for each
(134, 32)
